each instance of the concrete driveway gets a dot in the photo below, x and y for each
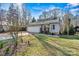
(4, 36)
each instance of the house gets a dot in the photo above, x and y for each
(49, 22)
(45, 26)
(3, 26)
(53, 25)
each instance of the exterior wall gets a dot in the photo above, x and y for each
(6, 28)
(33, 29)
(56, 30)
(36, 29)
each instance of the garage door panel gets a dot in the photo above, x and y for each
(33, 29)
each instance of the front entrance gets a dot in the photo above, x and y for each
(44, 28)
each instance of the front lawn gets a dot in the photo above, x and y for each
(72, 37)
(59, 45)
(6, 47)
(41, 45)
(34, 49)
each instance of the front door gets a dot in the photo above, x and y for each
(44, 28)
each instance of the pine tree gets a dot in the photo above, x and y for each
(33, 20)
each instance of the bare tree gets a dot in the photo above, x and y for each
(0, 19)
(13, 24)
(22, 18)
(13, 21)
(1, 27)
(17, 19)
(67, 23)
(44, 14)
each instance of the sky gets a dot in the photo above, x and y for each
(37, 8)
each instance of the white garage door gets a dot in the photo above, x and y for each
(33, 29)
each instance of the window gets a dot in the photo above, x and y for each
(53, 27)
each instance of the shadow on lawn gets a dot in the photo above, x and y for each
(51, 48)
(70, 37)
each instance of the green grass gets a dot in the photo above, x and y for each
(43, 45)
(4, 43)
(60, 46)
(5, 47)
(35, 48)
(70, 37)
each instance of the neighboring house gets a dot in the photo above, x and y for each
(4, 26)
(45, 26)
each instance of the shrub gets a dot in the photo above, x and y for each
(53, 33)
(7, 51)
(49, 33)
(1, 45)
(71, 30)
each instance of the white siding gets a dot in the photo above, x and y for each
(35, 29)
(56, 30)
